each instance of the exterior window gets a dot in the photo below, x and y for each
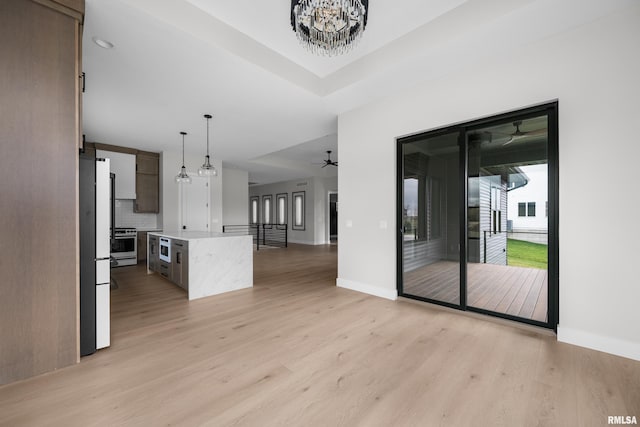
(298, 210)
(531, 209)
(281, 209)
(253, 208)
(266, 209)
(496, 211)
(527, 209)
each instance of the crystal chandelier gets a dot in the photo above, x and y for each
(329, 27)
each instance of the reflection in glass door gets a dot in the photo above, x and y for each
(431, 218)
(507, 214)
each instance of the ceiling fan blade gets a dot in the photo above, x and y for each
(541, 131)
(324, 166)
(509, 141)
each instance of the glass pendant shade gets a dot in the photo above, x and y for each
(207, 169)
(183, 177)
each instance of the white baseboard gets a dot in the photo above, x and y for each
(615, 346)
(377, 291)
(306, 242)
(300, 242)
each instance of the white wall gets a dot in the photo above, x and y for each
(593, 71)
(235, 193)
(170, 163)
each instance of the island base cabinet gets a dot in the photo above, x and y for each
(153, 256)
(205, 263)
(180, 259)
(165, 270)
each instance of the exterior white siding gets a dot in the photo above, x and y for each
(535, 191)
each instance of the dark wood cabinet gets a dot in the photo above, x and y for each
(180, 263)
(142, 246)
(39, 51)
(153, 253)
(147, 163)
(147, 183)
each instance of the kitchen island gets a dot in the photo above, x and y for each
(202, 263)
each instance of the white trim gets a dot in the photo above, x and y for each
(377, 291)
(610, 345)
(305, 242)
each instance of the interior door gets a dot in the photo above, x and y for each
(195, 204)
(430, 226)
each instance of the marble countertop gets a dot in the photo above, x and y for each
(195, 235)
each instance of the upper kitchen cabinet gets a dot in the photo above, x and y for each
(124, 166)
(147, 182)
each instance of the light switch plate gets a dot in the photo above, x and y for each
(348, 223)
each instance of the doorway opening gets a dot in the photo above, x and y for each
(478, 209)
(333, 217)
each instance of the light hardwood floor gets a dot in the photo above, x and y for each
(295, 350)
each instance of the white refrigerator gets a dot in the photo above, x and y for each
(103, 253)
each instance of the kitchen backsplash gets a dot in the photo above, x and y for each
(125, 217)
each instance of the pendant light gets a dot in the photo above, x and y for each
(183, 177)
(207, 169)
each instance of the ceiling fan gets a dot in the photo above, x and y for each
(518, 134)
(328, 161)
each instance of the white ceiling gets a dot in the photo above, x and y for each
(175, 60)
(268, 22)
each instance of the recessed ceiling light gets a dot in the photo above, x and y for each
(103, 43)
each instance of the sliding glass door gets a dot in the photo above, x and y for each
(507, 218)
(431, 218)
(477, 205)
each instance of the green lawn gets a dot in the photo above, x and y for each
(526, 254)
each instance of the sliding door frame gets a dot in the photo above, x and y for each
(399, 214)
(549, 109)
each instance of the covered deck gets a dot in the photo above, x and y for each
(517, 291)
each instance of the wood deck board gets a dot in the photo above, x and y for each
(517, 291)
(532, 297)
(494, 287)
(445, 282)
(512, 291)
(540, 311)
